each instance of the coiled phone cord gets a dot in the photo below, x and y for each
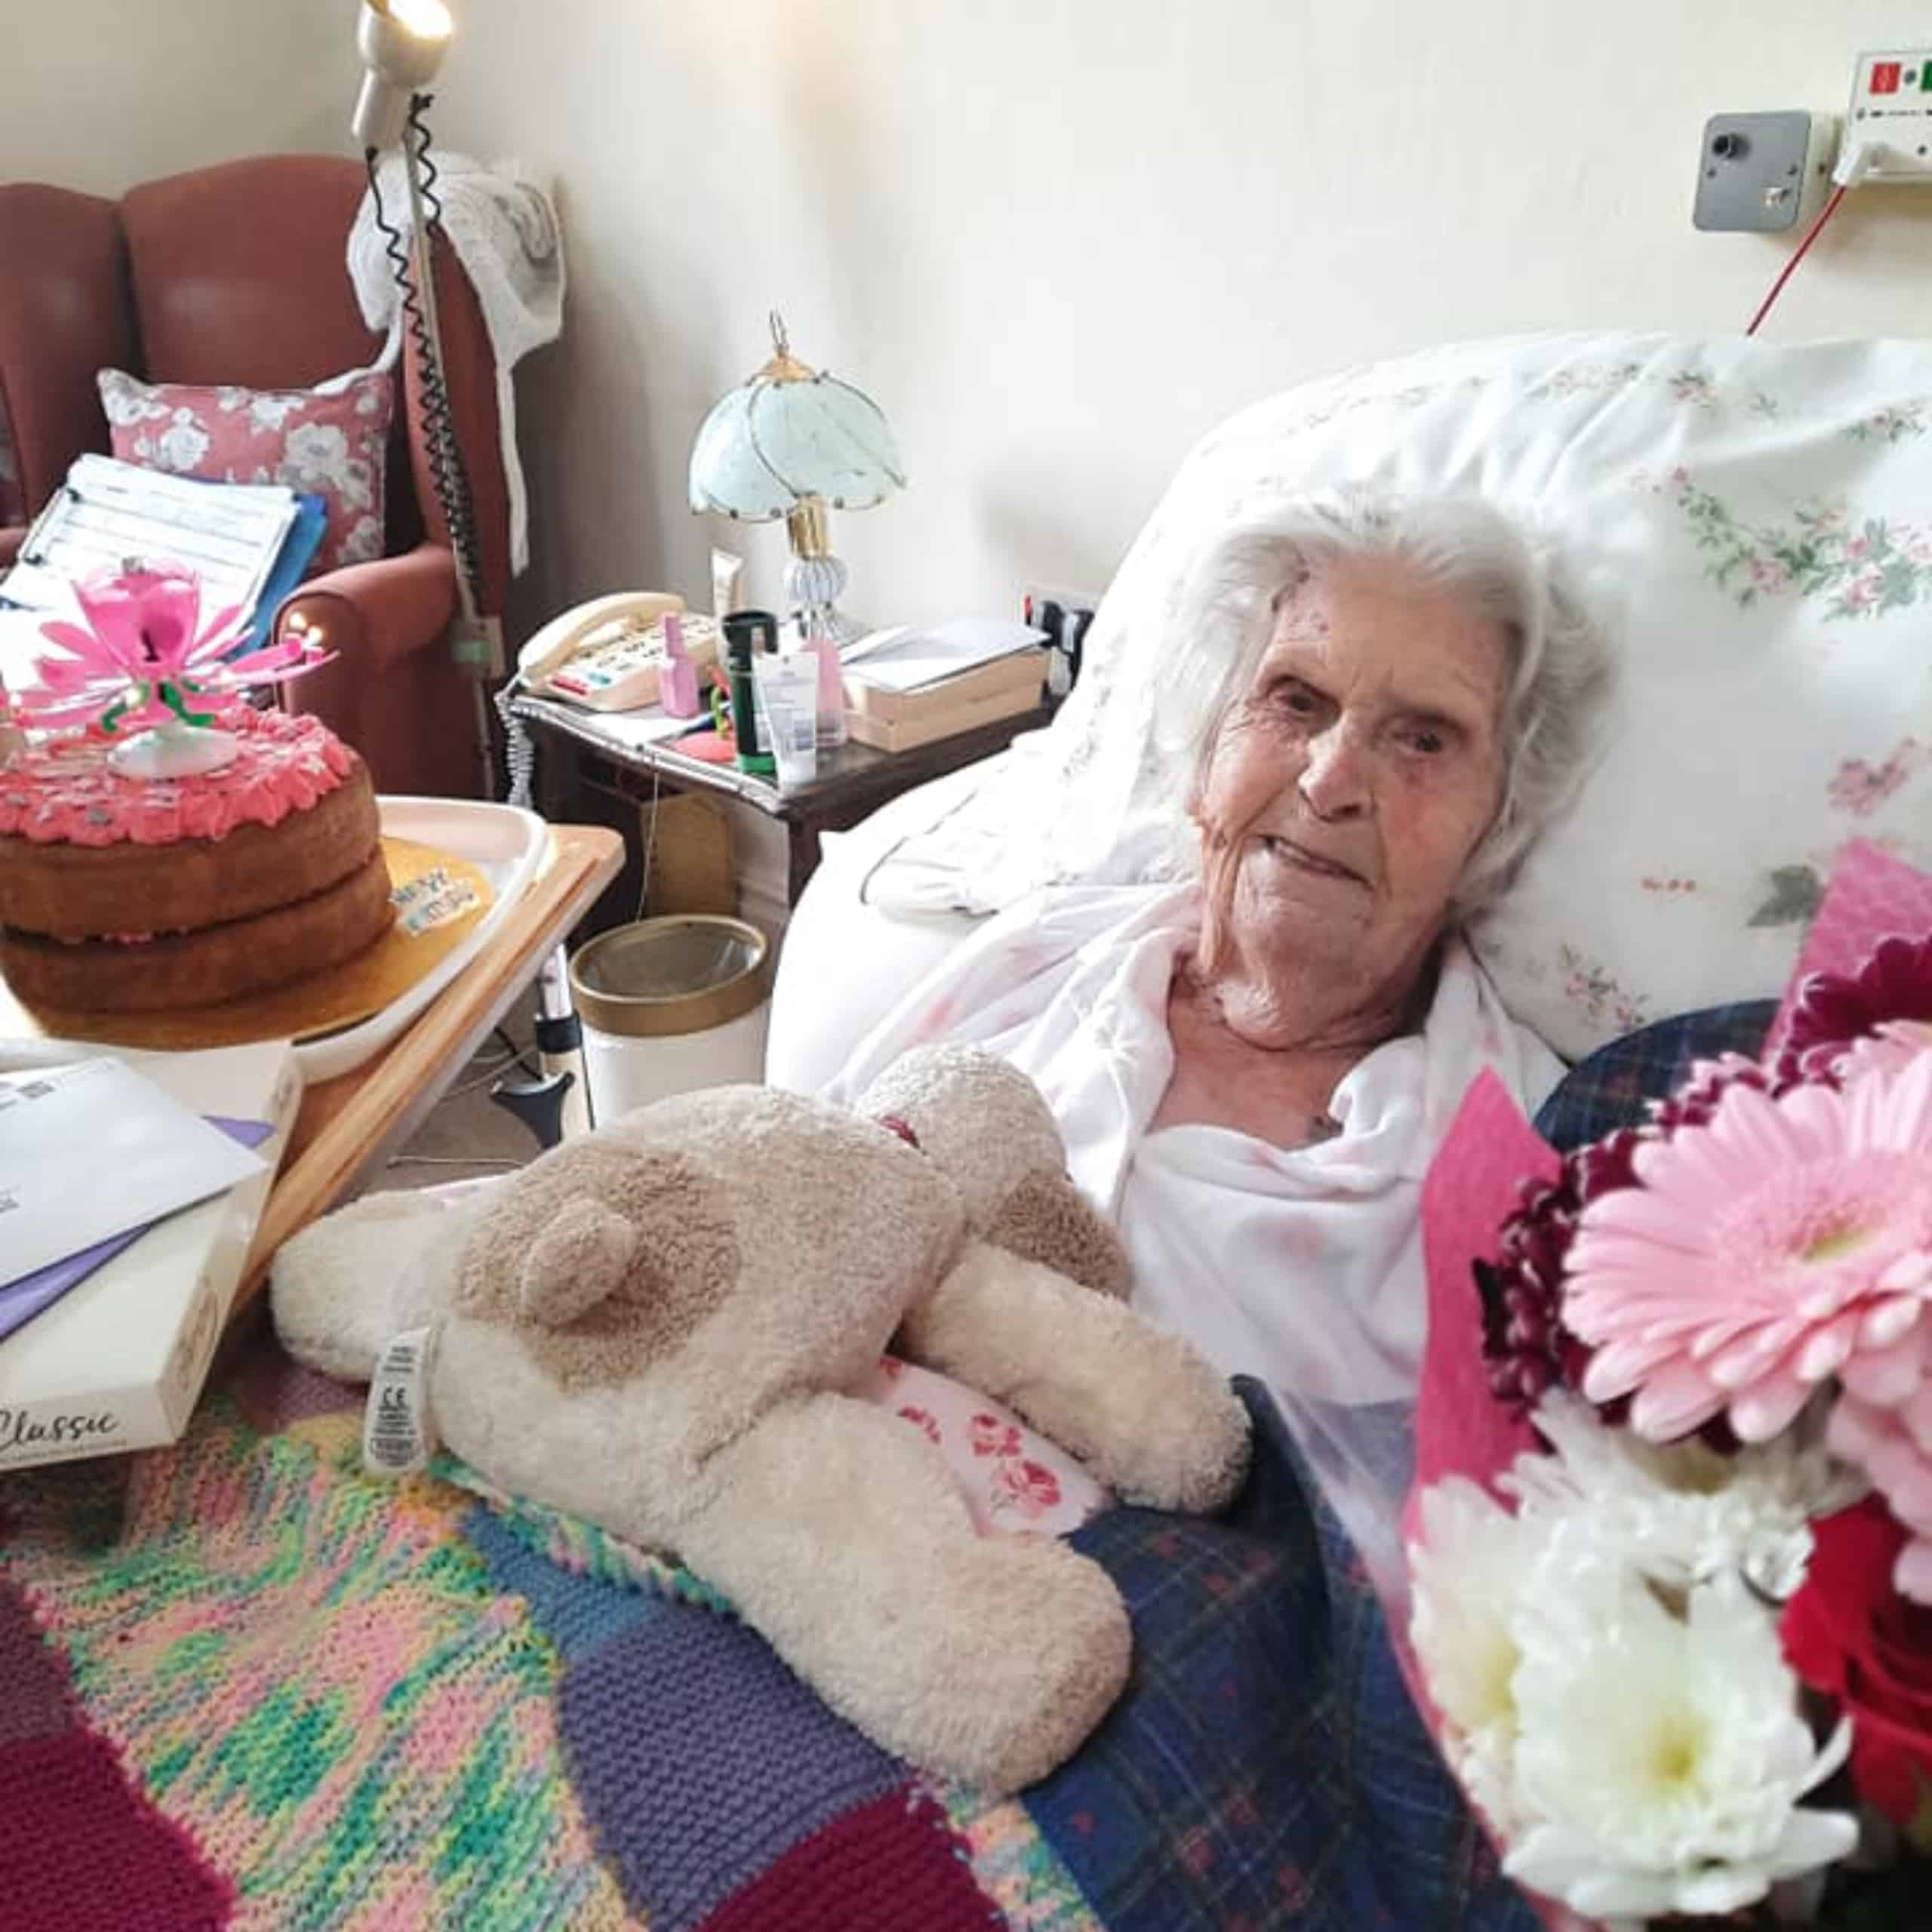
(519, 751)
(448, 476)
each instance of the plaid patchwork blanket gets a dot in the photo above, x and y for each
(243, 1685)
(1613, 1087)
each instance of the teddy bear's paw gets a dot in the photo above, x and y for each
(1200, 1460)
(1039, 1649)
(1177, 1435)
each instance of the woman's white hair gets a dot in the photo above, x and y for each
(1560, 669)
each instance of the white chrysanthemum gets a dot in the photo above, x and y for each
(1660, 1761)
(1681, 1513)
(1468, 1578)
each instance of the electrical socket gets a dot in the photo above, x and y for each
(1757, 174)
(1891, 113)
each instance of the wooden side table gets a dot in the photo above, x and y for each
(582, 763)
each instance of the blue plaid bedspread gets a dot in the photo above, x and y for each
(1265, 1768)
(1613, 1087)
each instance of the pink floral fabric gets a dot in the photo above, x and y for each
(331, 445)
(1011, 1478)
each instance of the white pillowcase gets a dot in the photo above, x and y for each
(1753, 526)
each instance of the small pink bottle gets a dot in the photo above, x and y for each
(831, 719)
(677, 683)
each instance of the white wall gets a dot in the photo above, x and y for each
(99, 94)
(1058, 239)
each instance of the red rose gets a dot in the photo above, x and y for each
(1849, 1633)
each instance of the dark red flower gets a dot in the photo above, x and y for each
(1848, 1633)
(1832, 1010)
(1529, 1350)
(1697, 1100)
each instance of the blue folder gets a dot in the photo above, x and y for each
(298, 550)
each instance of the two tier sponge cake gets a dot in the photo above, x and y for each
(121, 894)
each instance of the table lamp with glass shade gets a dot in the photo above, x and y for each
(795, 442)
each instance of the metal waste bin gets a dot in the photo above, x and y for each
(670, 1005)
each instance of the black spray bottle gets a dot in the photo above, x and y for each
(746, 631)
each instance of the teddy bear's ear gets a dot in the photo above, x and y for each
(1045, 1218)
(607, 1255)
(578, 1260)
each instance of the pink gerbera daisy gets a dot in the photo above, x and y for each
(1786, 1241)
(1893, 1444)
(1891, 1047)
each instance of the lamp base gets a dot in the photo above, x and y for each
(826, 620)
(814, 584)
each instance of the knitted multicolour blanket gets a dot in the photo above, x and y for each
(243, 1685)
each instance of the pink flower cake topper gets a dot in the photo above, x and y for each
(146, 658)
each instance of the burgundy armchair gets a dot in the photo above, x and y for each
(235, 274)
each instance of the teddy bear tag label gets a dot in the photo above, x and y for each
(399, 1433)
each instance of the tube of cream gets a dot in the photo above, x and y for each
(789, 686)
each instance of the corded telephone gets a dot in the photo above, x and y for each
(608, 655)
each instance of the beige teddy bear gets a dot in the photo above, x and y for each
(651, 1327)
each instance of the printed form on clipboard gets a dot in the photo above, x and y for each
(230, 534)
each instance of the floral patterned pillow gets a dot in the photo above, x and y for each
(333, 444)
(1751, 524)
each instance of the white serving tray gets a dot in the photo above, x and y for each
(507, 844)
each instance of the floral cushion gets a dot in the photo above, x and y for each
(1011, 1478)
(332, 444)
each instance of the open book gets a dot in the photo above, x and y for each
(248, 543)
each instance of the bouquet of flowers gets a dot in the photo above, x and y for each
(1672, 1537)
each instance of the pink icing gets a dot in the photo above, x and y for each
(62, 791)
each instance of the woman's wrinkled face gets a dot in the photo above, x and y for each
(1346, 789)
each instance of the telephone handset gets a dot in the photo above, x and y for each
(608, 655)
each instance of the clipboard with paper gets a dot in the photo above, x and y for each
(231, 535)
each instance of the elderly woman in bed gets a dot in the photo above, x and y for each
(1381, 704)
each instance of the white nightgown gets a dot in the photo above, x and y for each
(1301, 1266)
